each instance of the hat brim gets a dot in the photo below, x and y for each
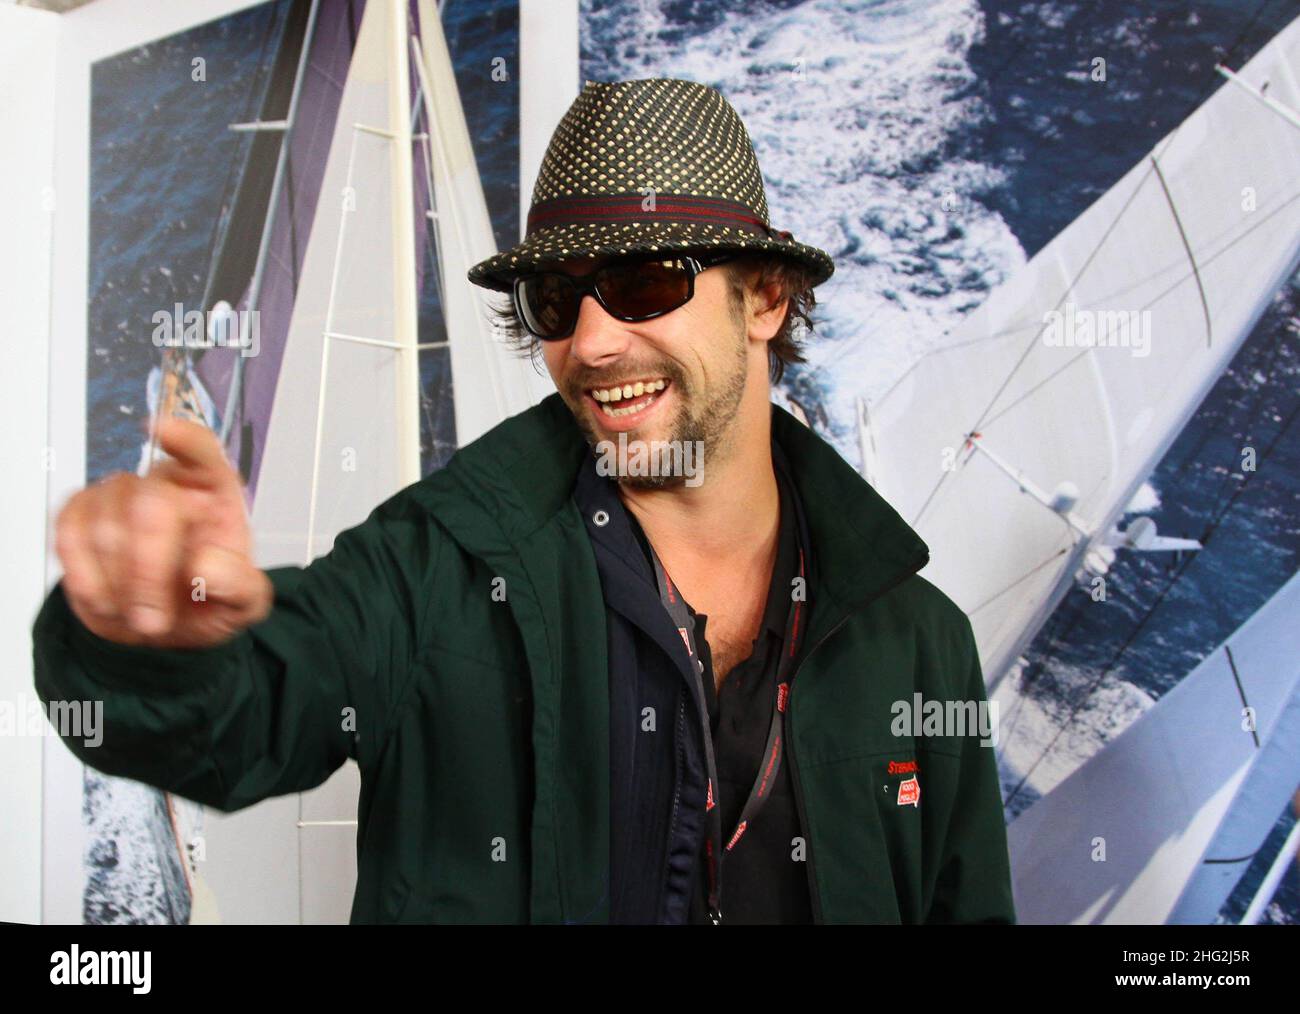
(599, 239)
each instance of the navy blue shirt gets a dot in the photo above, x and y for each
(658, 778)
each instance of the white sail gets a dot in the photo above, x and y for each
(1187, 785)
(1012, 456)
(1268, 788)
(344, 430)
(489, 383)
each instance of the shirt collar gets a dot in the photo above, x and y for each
(608, 520)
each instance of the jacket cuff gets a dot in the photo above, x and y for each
(132, 667)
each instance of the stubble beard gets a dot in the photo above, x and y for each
(704, 421)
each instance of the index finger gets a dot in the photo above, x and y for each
(197, 451)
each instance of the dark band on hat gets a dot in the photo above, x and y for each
(629, 208)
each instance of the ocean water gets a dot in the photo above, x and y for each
(866, 115)
(160, 154)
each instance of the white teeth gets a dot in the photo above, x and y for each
(634, 390)
(625, 409)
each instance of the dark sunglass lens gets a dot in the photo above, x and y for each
(644, 288)
(547, 304)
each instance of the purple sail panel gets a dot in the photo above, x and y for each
(329, 56)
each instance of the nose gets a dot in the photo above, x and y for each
(597, 339)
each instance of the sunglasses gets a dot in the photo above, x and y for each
(629, 290)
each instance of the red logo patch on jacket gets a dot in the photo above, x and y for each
(909, 792)
(903, 767)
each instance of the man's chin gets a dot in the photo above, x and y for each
(651, 483)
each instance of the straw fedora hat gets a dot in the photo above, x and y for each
(655, 165)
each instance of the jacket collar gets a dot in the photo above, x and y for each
(507, 498)
(861, 546)
(526, 467)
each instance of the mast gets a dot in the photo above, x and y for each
(1281, 865)
(405, 296)
(283, 127)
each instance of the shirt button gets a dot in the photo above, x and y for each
(600, 519)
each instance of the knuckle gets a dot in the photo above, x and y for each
(149, 508)
(106, 536)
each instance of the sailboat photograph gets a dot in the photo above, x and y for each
(337, 330)
(1061, 341)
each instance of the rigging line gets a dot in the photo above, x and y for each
(1021, 579)
(1073, 284)
(1235, 859)
(1241, 691)
(1101, 242)
(1191, 257)
(1057, 636)
(432, 220)
(1146, 306)
(1256, 413)
(1211, 527)
(458, 224)
(1214, 523)
(1017, 709)
(221, 224)
(1057, 619)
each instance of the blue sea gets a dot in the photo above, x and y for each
(931, 97)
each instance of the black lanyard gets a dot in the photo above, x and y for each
(766, 778)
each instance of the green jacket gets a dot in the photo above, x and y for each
(477, 709)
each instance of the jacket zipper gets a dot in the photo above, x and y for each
(800, 806)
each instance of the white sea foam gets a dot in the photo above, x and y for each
(852, 106)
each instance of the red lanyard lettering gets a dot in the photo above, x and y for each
(766, 778)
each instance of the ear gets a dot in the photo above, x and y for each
(765, 306)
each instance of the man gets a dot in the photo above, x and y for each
(577, 689)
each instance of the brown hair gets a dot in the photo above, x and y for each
(758, 269)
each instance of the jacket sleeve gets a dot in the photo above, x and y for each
(275, 709)
(974, 880)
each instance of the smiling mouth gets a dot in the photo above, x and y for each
(629, 398)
